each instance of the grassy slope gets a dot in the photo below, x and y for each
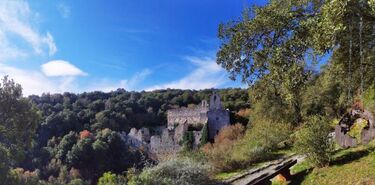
(349, 166)
(274, 155)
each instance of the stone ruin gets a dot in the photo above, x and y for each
(346, 123)
(181, 120)
(212, 114)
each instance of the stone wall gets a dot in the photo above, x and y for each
(192, 116)
(164, 145)
(137, 138)
(197, 138)
(166, 141)
(217, 119)
(343, 139)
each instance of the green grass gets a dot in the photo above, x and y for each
(349, 166)
(300, 167)
(274, 155)
(227, 175)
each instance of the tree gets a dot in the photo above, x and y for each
(204, 138)
(66, 143)
(271, 42)
(18, 121)
(345, 28)
(109, 178)
(312, 140)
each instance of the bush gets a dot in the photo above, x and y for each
(188, 140)
(268, 134)
(21, 177)
(174, 172)
(312, 140)
(77, 182)
(369, 98)
(109, 178)
(204, 138)
(219, 154)
(260, 140)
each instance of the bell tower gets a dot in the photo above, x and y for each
(215, 103)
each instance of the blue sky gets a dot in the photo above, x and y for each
(76, 46)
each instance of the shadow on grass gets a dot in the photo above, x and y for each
(350, 156)
(299, 177)
(343, 156)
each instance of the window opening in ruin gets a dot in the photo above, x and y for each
(215, 98)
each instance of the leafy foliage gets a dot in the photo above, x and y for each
(312, 140)
(260, 141)
(369, 98)
(204, 138)
(80, 132)
(109, 178)
(174, 172)
(18, 122)
(219, 153)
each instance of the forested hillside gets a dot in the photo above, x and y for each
(307, 63)
(67, 119)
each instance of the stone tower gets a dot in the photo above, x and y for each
(217, 116)
(215, 103)
(212, 114)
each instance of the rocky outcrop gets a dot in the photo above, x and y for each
(346, 123)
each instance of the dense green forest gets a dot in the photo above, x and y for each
(307, 62)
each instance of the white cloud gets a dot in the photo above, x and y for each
(16, 20)
(207, 74)
(61, 68)
(33, 82)
(64, 10)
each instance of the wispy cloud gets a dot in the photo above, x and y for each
(20, 38)
(61, 68)
(207, 74)
(16, 21)
(137, 79)
(128, 84)
(64, 10)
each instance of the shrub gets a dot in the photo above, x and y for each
(313, 141)
(369, 98)
(219, 153)
(268, 134)
(174, 172)
(21, 177)
(204, 139)
(260, 140)
(109, 178)
(77, 182)
(188, 140)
